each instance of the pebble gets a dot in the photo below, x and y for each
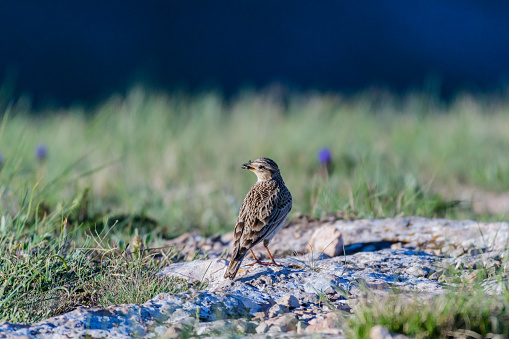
(259, 316)
(173, 332)
(275, 329)
(277, 309)
(262, 328)
(328, 325)
(286, 322)
(289, 301)
(379, 332)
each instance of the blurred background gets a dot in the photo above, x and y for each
(64, 52)
(143, 112)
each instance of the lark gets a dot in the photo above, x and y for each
(261, 215)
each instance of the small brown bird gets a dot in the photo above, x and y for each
(262, 213)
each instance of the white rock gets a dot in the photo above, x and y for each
(289, 301)
(211, 270)
(379, 332)
(327, 239)
(262, 328)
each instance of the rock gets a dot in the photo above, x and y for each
(181, 315)
(277, 310)
(434, 276)
(173, 332)
(259, 316)
(251, 327)
(328, 325)
(397, 246)
(305, 289)
(418, 271)
(242, 326)
(301, 327)
(379, 332)
(308, 298)
(262, 328)
(285, 323)
(288, 301)
(432, 235)
(327, 239)
(199, 270)
(275, 329)
(226, 238)
(203, 330)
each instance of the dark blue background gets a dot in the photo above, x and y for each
(68, 51)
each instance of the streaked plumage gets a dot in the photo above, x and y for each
(262, 213)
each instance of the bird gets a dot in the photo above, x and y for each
(262, 213)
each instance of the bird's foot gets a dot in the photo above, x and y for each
(261, 263)
(276, 264)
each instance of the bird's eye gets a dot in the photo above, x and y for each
(261, 167)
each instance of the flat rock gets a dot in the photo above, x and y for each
(301, 236)
(296, 299)
(200, 270)
(289, 301)
(379, 332)
(327, 240)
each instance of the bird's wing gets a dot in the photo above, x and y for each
(282, 208)
(262, 209)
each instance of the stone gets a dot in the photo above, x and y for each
(309, 298)
(397, 246)
(418, 271)
(259, 316)
(288, 301)
(204, 330)
(242, 326)
(285, 323)
(327, 325)
(251, 327)
(301, 327)
(173, 332)
(300, 295)
(379, 332)
(432, 235)
(180, 315)
(327, 240)
(275, 329)
(277, 309)
(262, 328)
(433, 276)
(200, 270)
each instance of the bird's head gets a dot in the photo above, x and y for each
(264, 168)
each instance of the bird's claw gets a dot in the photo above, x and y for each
(265, 263)
(260, 263)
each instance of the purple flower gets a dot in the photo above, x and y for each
(41, 152)
(325, 156)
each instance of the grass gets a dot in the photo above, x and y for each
(177, 158)
(155, 165)
(43, 276)
(470, 308)
(453, 315)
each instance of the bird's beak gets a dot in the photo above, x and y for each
(247, 166)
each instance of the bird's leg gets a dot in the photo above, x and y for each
(271, 258)
(257, 261)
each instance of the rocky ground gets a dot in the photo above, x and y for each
(318, 285)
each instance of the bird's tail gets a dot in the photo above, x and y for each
(234, 266)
